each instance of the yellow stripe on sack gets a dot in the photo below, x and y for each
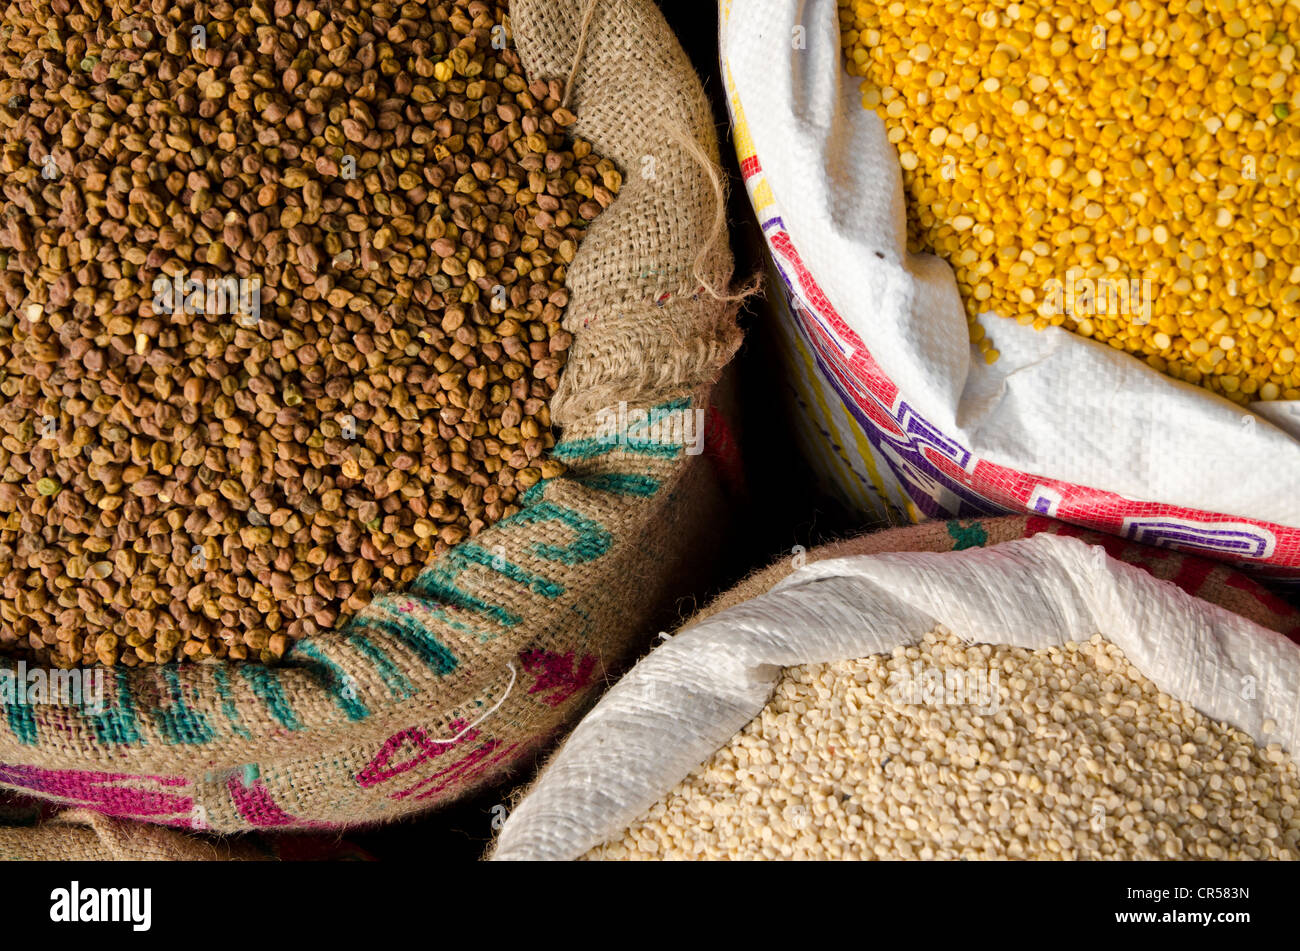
(805, 378)
(859, 438)
(865, 450)
(815, 444)
(740, 138)
(869, 460)
(867, 454)
(761, 197)
(873, 471)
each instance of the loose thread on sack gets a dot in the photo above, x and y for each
(722, 338)
(718, 232)
(583, 32)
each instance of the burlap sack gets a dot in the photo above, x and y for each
(428, 695)
(84, 835)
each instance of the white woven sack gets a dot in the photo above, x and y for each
(1055, 404)
(690, 696)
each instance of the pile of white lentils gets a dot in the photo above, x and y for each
(1071, 754)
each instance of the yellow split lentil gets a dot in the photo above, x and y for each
(1069, 753)
(1126, 169)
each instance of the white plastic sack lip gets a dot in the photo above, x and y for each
(690, 696)
(1056, 404)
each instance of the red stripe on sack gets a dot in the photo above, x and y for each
(1192, 573)
(721, 449)
(1271, 601)
(261, 811)
(1037, 524)
(1141, 556)
(750, 167)
(1113, 545)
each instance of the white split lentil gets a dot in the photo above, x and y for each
(1080, 757)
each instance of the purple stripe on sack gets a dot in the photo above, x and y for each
(1227, 537)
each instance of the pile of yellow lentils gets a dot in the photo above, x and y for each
(1126, 169)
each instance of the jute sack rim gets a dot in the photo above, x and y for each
(185, 717)
(688, 697)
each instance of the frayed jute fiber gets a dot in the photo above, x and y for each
(88, 836)
(440, 691)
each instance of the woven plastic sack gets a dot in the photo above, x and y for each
(895, 408)
(429, 695)
(691, 695)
